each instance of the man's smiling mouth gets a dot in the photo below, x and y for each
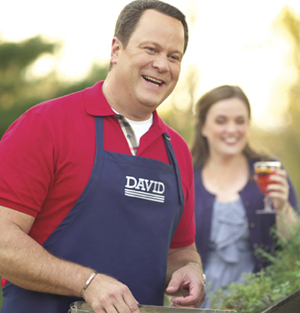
(153, 81)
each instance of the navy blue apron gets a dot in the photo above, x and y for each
(122, 225)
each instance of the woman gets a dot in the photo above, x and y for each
(226, 195)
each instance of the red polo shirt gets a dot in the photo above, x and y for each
(47, 155)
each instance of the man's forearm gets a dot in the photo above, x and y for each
(27, 264)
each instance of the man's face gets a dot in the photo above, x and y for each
(148, 69)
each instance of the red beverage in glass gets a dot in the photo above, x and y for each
(263, 170)
(263, 178)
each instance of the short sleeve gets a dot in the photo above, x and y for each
(26, 164)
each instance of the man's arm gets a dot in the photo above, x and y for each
(27, 264)
(185, 274)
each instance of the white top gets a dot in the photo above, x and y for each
(140, 127)
(229, 255)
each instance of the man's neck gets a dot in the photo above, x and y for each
(120, 105)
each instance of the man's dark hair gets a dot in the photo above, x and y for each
(132, 12)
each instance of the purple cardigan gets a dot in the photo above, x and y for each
(259, 224)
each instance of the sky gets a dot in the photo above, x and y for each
(231, 42)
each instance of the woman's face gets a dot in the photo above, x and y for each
(226, 126)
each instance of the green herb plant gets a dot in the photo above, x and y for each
(261, 290)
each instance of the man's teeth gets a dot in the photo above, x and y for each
(153, 80)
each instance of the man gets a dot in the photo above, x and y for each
(87, 212)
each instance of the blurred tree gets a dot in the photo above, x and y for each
(291, 135)
(179, 113)
(179, 109)
(20, 91)
(96, 73)
(15, 58)
(285, 143)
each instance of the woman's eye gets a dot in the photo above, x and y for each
(220, 121)
(240, 121)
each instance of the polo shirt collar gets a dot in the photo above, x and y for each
(97, 105)
(95, 102)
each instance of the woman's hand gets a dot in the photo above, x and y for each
(278, 190)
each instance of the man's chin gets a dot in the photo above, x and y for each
(151, 102)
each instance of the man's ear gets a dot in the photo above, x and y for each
(116, 47)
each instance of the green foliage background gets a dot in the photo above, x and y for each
(19, 92)
(261, 291)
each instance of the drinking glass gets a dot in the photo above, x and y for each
(263, 170)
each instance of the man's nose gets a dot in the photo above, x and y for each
(161, 63)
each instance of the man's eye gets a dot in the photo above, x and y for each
(150, 49)
(175, 57)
